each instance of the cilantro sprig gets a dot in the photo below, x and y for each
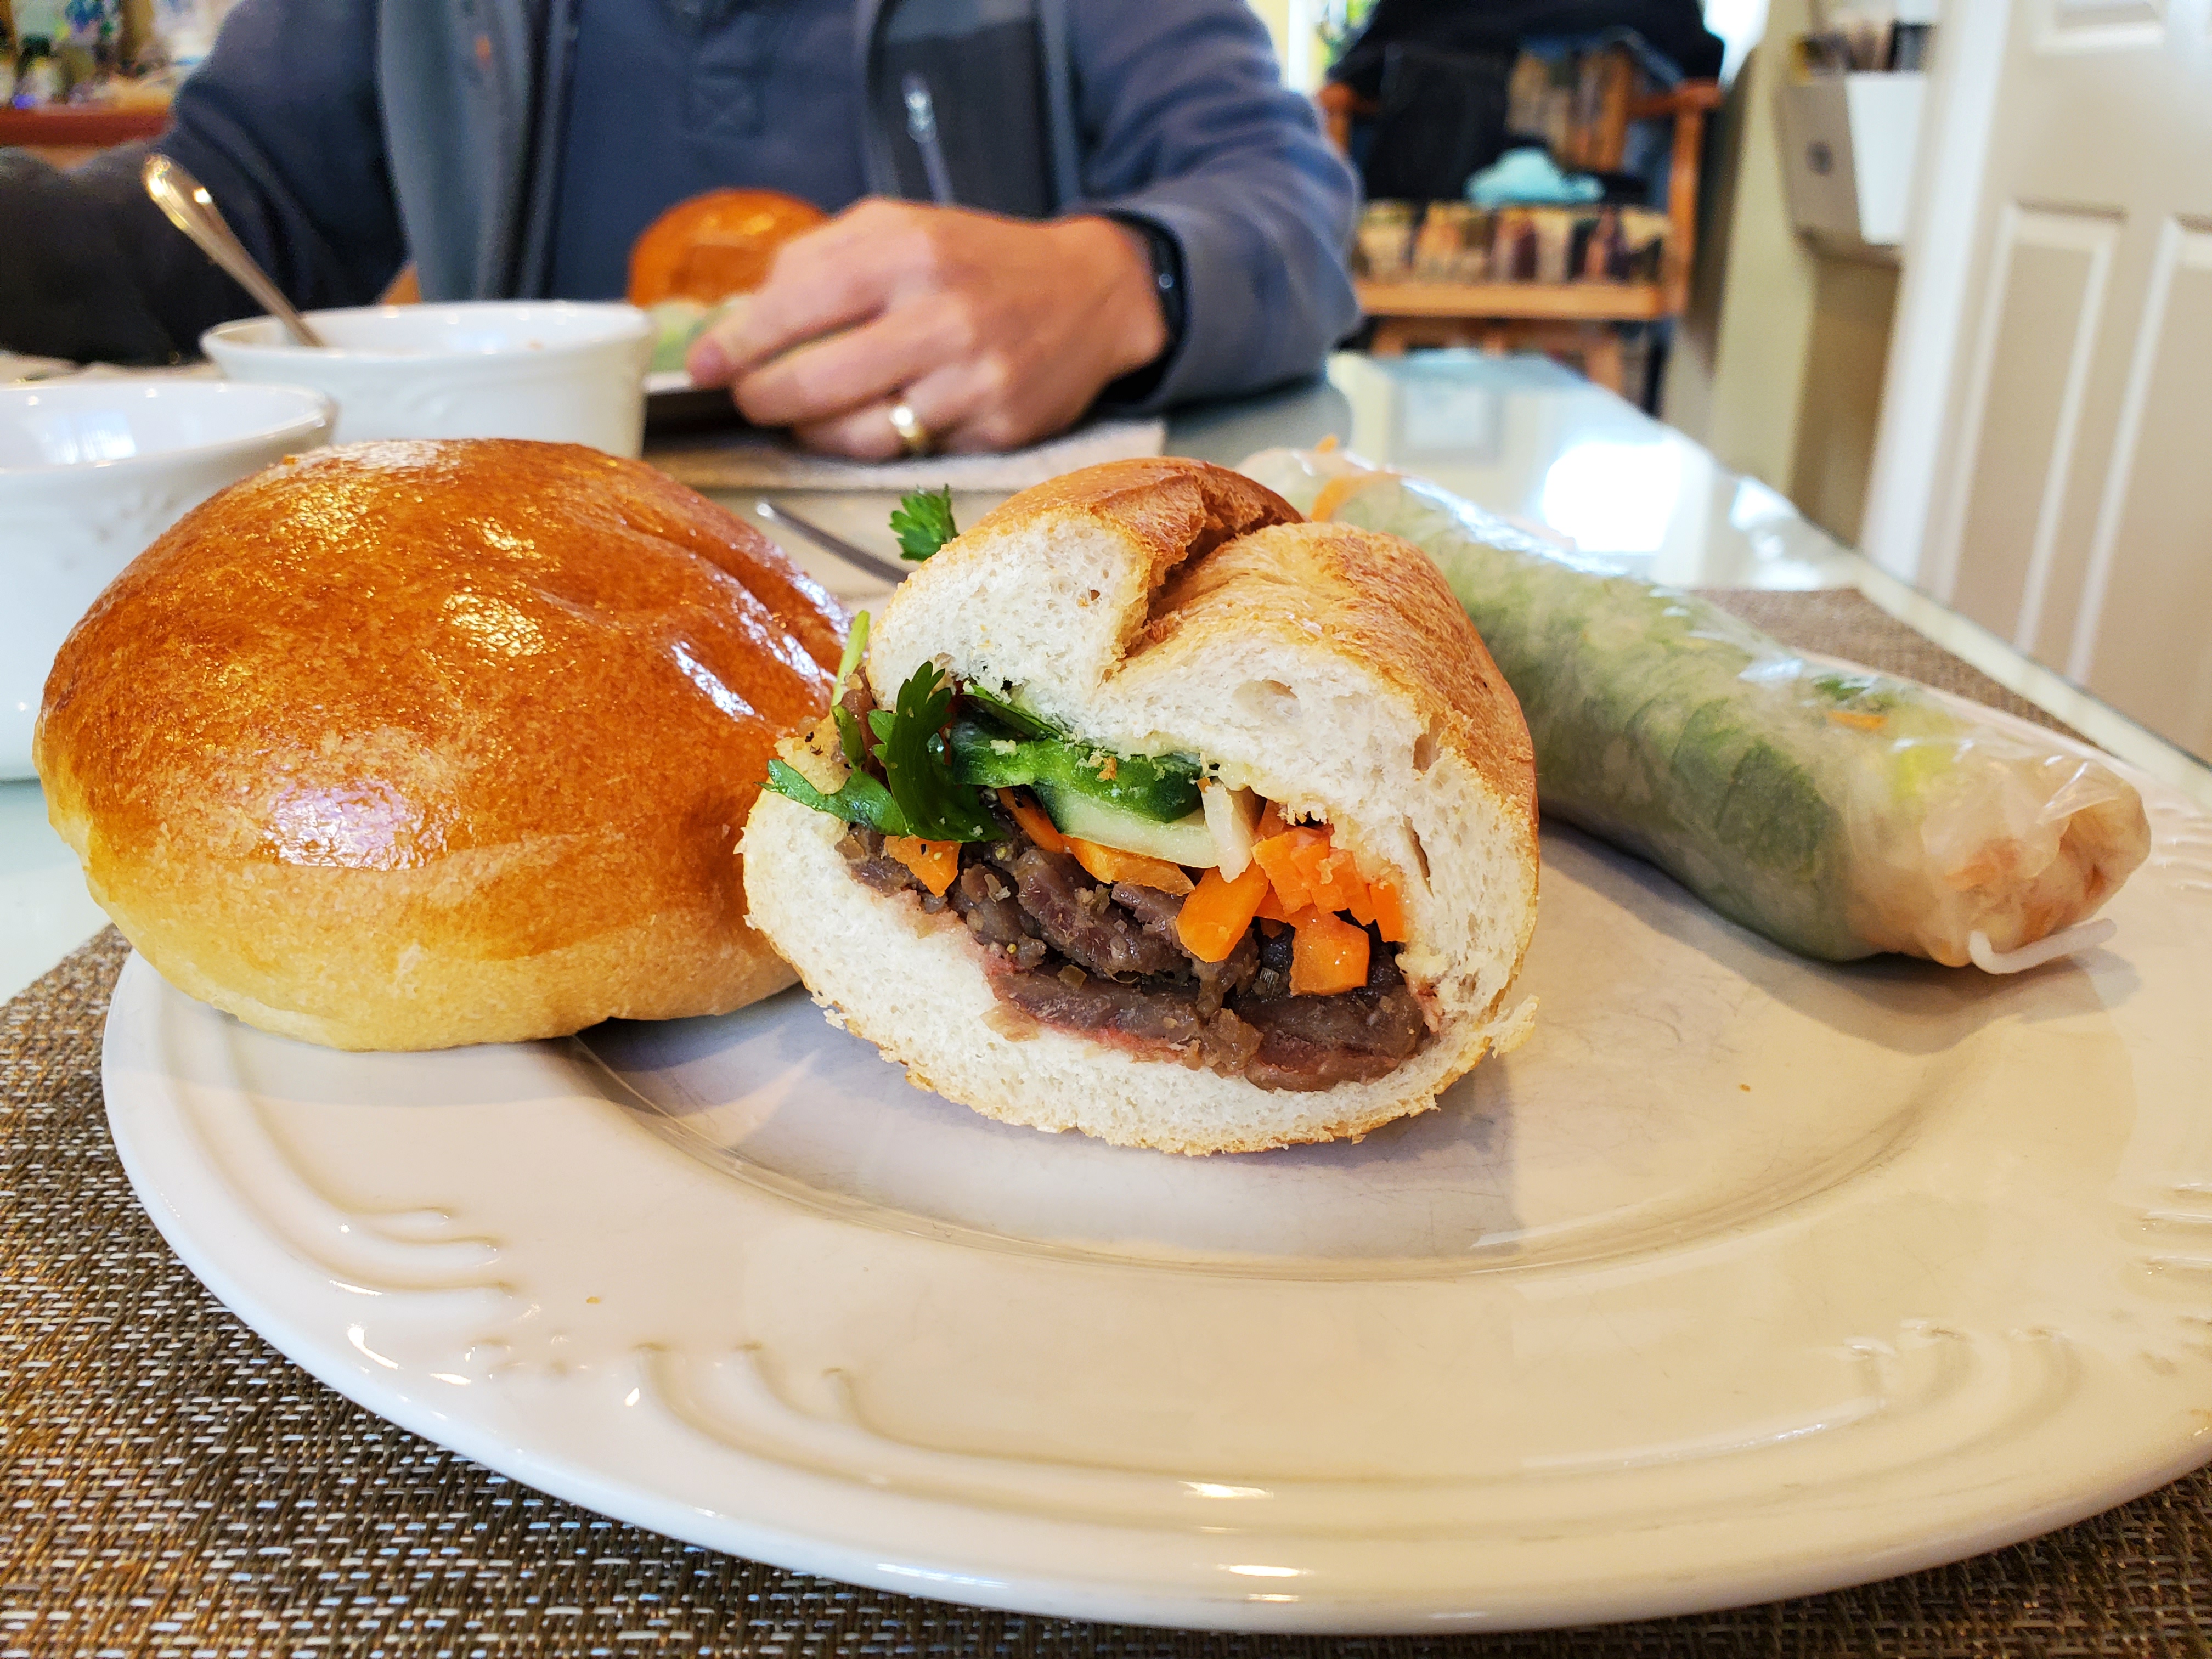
(861, 798)
(923, 521)
(916, 796)
(915, 764)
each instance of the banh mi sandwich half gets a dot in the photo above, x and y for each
(1149, 810)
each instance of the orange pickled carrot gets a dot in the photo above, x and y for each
(1327, 955)
(1112, 864)
(1306, 871)
(1363, 903)
(1271, 821)
(1856, 720)
(1215, 917)
(1035, 824)
(1336, 492)
(1390, 916)
(934, 863)
(1331, 878)
(1282, 857)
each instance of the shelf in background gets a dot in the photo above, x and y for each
(1581, 301)
(69, 133)
(88, 125)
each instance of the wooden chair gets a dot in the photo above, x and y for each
(1572, 319)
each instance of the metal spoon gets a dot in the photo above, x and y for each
(859, 558)
(185, 200)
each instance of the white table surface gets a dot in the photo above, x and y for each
(44, 912)
(1520, 435)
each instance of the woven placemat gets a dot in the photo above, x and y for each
(171, 1485)
(1841, 622)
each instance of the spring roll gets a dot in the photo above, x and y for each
(1841, 813)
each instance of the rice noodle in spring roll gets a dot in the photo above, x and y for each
(1840, 813)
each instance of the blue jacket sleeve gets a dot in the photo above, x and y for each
(281, 125)
(1186, 123)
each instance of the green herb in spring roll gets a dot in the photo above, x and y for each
(1840, 813)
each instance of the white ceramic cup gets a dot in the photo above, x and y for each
(486, 368)
(91, 471)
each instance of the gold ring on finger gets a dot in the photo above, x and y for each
(914, 433)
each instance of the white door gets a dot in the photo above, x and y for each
(2045, 458)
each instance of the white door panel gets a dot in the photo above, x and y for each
(2102, 25)
(2143, 638)
(2045, 462)
(2040, 317)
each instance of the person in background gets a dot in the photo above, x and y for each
(1042, 205)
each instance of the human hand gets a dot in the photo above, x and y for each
(995, 332)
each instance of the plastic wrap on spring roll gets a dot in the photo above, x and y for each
(1837, 811)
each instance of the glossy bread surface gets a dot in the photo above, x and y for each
(712, 245)
(407, 744)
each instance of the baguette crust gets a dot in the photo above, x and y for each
(1328, 668)
(1170, 509)
(1379, 602)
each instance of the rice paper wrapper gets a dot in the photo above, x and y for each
(1838, 811)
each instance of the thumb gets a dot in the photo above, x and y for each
(718, 355)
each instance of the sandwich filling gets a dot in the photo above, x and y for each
(1133, 899)
(1105, 960)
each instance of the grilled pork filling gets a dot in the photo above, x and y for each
(1080, 955)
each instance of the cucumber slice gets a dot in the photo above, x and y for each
(1180, 840)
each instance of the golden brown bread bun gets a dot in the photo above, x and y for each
(406, 744)
(710, 246)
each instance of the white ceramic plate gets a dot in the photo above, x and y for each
(1744, 1278)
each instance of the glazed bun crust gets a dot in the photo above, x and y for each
(1168, 606)
(709, 246)
(407, 745)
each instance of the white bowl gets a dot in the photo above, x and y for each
(91, 471)
(487, 368)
